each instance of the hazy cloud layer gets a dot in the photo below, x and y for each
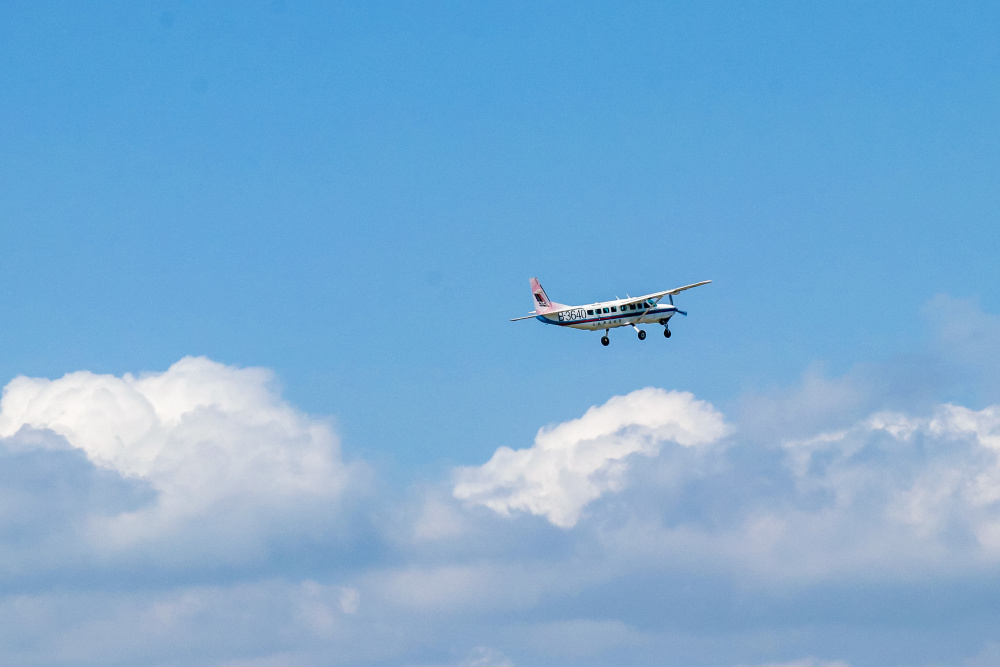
(194, 517)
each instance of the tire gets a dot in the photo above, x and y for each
(642, 335)
(605, 340)
(666, 332)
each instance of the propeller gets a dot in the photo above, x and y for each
(671, 297)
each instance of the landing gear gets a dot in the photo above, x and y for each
(642, 335)
(666, 332)
(605, 340)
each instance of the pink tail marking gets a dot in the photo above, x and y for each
(542, 302)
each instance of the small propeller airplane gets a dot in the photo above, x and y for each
(608, 315)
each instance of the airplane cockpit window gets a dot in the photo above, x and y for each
(631, 306)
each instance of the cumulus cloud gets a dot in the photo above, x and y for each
(891, 493)
(217, 444)
(578, 461)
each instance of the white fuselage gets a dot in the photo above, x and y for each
(610, 314)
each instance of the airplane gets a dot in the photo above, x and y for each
(607, 315)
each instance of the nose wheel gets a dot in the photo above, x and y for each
(642, 335)
(666, 332)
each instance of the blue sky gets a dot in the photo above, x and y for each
(353, 196)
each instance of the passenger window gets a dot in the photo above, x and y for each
(613, 309)
(590, 312)
(631, 306)
(605, 310)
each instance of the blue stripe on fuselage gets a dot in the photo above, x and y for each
(610, 316)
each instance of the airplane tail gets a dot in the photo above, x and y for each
(542, 302)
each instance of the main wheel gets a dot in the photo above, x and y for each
(642, 335)
(666, 332)
(605, 340)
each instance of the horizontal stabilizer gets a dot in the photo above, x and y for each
(526, 317)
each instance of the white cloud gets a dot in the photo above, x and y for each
(225, 454)
(934, 478)
(892, 496)
(578, 461)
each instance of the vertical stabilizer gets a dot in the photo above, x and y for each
(542, 303)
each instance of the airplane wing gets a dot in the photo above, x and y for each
(526, 317)
(671, 292)
(656, 296)
(681, 289)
